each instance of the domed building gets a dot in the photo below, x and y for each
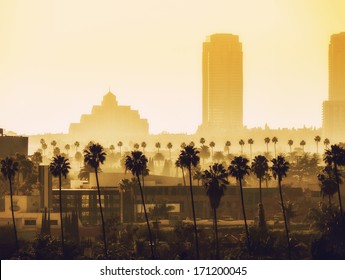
(110, 121)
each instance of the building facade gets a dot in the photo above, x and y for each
(334, 107)
(222, 83)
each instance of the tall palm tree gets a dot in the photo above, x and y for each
(267, 141)
(158, 146)
(279, 169)
(275, 141)
(290, 143)
(227, 146)
(67, 148)
(241, 142)
(317, 140)
(143, 145)
(112, 148)
(215, 181)
(59, 167)
(94, 156)
(136, 162)
(9, 168)
(212, 145)
(76, 145)
(120, 144)
(169, 146)
(328, 182)
(189, 158)
(202, 141)
(136, 146)
(238, 169)
(260, 169)
(326, 142)
(302, 144)
(250, 142)
(335, 157)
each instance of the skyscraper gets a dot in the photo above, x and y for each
(334, 108)
(222, 84)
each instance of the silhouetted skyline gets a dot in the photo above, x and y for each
(61, 57)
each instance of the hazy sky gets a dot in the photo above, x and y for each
(58, 58)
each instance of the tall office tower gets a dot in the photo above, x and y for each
(222, 84)
(334, 108)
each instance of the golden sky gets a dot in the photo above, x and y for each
(58, 58)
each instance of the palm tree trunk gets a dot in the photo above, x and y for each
(244, 216)
(260, 190)
(193, 210)
(102, 218)
(216, 232)
(61, 219)
(285, 220)
(338, 187)
(147, 219)
(13, 220)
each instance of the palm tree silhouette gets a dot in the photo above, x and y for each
(260, 169)
(215, 181)
(302, 143)
(143, 145)
(189, 158)
(328, 182)
(136, 162)
(290, 143)
(227, 146)
(136, 146)
(326, 142)
(317, 140)
(158, 146)
(238, 169)
(279, 169)
(94, 156)
(275, 140)
(250, 142)
(202, 141)
(67, 148)
(267, 141)
(120, 144)
(59, 167)
(335, 157)
(169, 146)
(9, 168)
(241, 142)
(76, 145)
(212, 145)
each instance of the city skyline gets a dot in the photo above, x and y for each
(66, 55)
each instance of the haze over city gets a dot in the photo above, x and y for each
(58, 59)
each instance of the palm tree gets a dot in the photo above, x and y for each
(215, 181)
(67, 148)
(120, 144)
(317, 140)
(212, 145)
(183, 145)
(279, 169)
(136, 162)
(143, 145)
(302, 144)
(76, 145)
(202, 141)
(238, 169)
(169, 146)
(328, 182)
(9, 168)
(267, 141)
(94, 156)
(250, 142)
(290, 143)
(241, 142)
(112, 148)
(158, 146)
(227, 146)
(326, 142)
(136, 146)
(53, 143)
(275, 141)
(260, 169)
(59, 167)
(335, 157)
(189, 158)
(191, 143)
